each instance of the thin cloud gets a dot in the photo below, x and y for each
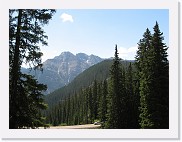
(127, 53)
(66, 17)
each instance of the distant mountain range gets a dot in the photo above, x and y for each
(62, 69)
(98, 72)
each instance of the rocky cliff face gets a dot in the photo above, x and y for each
(62, 69)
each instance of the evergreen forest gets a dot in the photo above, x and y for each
(119, 94)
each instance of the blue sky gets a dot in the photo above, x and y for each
(98, 31)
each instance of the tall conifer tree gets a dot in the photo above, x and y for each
(116, 100)
(132, 99)
(25, 33)
(152, 65)
(160, 81)
(142, 63)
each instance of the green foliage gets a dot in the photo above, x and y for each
(88, 103)
(114, 98)
(97, 72)
(153, 76)
(95, 99)
(63, 124)
(117, 116)
(143, 61)
(103, 102)
(132, 98)
(25, 93)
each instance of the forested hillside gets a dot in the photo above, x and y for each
(97, 72)
(85, 91)
(121, 95)
(100, 71)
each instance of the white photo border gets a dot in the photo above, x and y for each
(171, 133)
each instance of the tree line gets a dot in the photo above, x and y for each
(83, 80)
(80, 108)
(134, 96)
(92, 104)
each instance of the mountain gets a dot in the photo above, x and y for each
(98, 72)
(62, 69)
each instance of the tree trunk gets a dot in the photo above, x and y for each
(15, 72)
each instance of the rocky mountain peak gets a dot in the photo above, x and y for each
(64, 55)
(62, 69)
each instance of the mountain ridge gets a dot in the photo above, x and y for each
(99, 72)
(62, 69)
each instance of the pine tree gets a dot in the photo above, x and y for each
(24, 36)
(160, 67)
(142, 62)
(132, 99)
(103, 102)
(129, 80)
(115, 96)
(124, 116)
(34, 98)
(152, 65)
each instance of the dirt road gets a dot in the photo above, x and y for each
(87, 126)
